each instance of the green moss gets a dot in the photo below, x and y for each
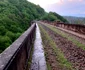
(30, 59)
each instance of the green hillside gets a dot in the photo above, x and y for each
(15, 18)
(52, 16)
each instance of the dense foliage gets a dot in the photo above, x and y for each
(52, 16)
(15, 18)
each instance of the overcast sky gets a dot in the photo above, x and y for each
(63, 7)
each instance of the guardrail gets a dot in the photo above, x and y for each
(73, 27)
(79, 28)
(15, 57)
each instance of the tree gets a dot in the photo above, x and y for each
(2, 30)
(11, 35)
(5, 41)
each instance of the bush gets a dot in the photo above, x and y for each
(5, 41)
(17, 35)
(11, 35)
(2, 30)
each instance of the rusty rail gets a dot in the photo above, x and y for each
(15, 57)
(73, 27)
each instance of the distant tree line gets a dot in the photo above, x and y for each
(52, 16)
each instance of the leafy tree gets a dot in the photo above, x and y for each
(2, 30)
(17, 35)
(5, 41)
(11, 35)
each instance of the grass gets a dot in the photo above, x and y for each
(76, 42)
(48, 66)
(60, 56)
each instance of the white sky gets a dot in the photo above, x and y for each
(63, 7)
(44, 3)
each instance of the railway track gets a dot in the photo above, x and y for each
(64, 49)
(72, 52)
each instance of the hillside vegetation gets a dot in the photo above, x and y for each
(52, 16)
(15, 18)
